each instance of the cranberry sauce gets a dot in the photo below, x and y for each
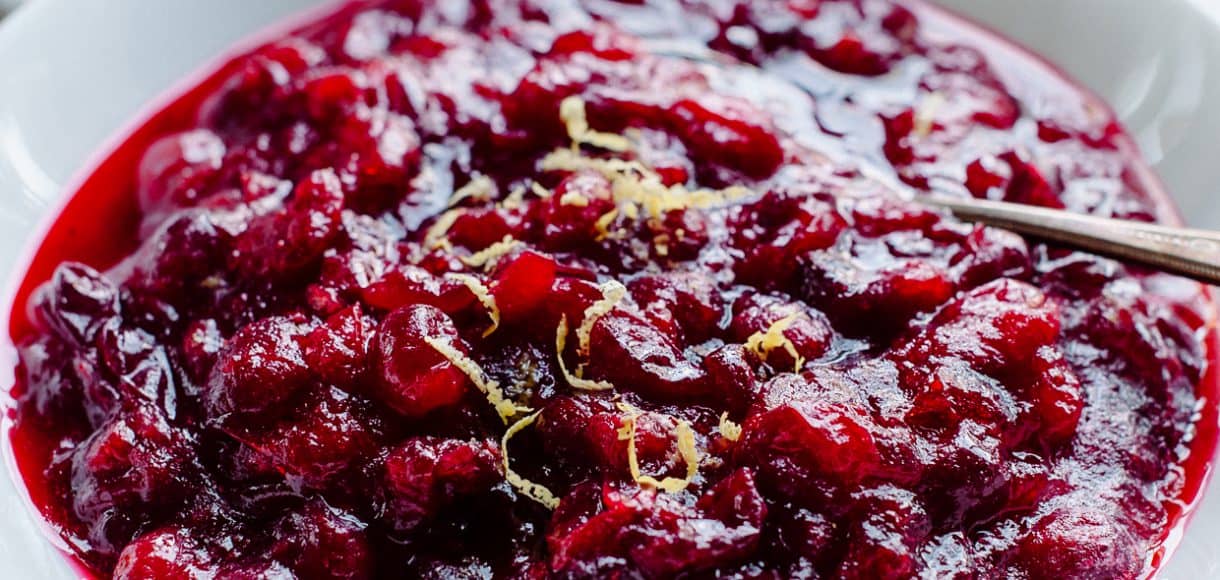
(499, 288)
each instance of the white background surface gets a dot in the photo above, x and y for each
(75, 70)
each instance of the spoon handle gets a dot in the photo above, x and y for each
(1188, 252)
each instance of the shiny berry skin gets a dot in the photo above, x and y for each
(413, 378)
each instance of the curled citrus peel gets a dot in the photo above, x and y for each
(488, 256)
(530, 489)
(481, 188)
(613, 292)
(728, 429)
(483, 294)
(561, 342)
(436, 238)
(686, 448)
(572, 113)
(490, 388)
(763, 343)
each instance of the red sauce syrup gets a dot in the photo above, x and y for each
(476, 289)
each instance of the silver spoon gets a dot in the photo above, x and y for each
(1188, 252)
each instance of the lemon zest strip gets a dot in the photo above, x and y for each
(613, 292)
(729, 429)
(763, 343)
(490, 388)
(437, 236)
(583, 384)
(686, 448)
(532, 490)
(490, 254)
(603, 224)
(483, 293)
(572, 113)
(481, 188)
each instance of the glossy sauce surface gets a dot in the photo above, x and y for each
(355, 266)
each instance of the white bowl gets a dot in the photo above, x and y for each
(74, 73)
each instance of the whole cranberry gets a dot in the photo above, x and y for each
(730, 132)
(522, 284)
(413, 377)
(260, 368)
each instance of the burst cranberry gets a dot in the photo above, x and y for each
(1065, 540)
(320, 541)
(261, 367)
(337, 350)
(178, 169)
(201, 344)
(406, 285)
(185, 253)
(873, 297)
(657, 536)
(593, 433)
(814, 441)
(692, 297)
(995, 327)
(569, 216)
(1013, 179)
(141, 369)
(806, 330)
(284, 243)
(423, 476)
(329, 95)
(77, 302)
(731, 133)
(1057, 397)
(632, 353)
(732, 376)
(136, 462)
(728, 532)
(776, 230)
(318, 440)
(522, 285)
(165, 553)
(884, 544)
(604, 41)
(482, 227)
(382, 152)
